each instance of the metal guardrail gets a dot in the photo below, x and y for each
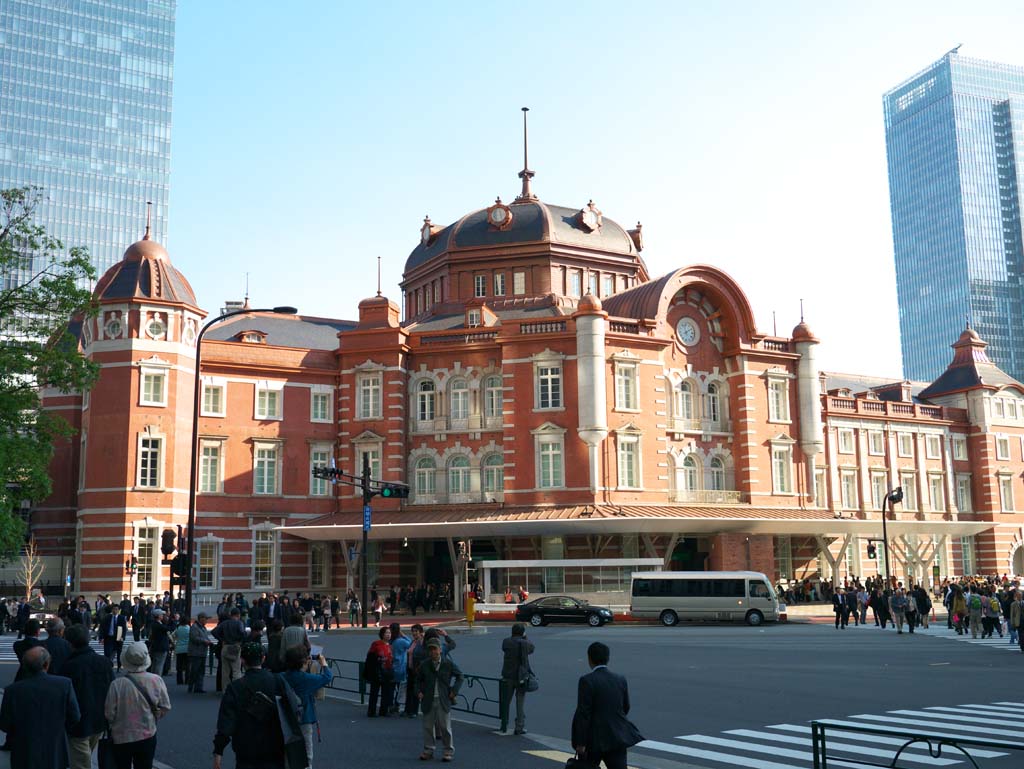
(479, 695)
(933, 741)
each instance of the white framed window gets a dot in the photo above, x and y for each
(845, 441)
(933, 447)
(320, 405)
(549, 386)
(368, 393)
(208, 567)
(1006, 492)
(494, 473)
(909, 483)
(1011, 408)
(264, 558)
(714, 404)
(778, 399)
(959, 447)
(684, 401)
(479, 285)
(499, 284)
(146, 574)
(625, 386)
(689, 474)
(848, 488)
(266, 470)
(473, 318)
(963, 493)
(459, 395)
(784, 556)
(318, 563)
(153, 387)
(593, 280)
(550, 466)
(966, 555)
(997, 408)
(518, 283)
(609, 285)
(905, 444)
(717, 474)
(820, 488)
(629, 461)
(879, 488)
(493, 397)
(211, 467)
(426, 399)
(782, 469)
(876, 443)
(213, 402)
(937, 492)
(426, 477)
(319, 456)
(150, 465)
(1002, 447)
(575, 283)
(458, 475)
(372, 452)
(269, 400)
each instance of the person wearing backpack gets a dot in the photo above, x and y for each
(974, 607)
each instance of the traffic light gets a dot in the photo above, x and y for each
(167, 542)
(872, 552)
(179, 568)
(394, 491)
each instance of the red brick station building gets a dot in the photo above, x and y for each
(546, 400)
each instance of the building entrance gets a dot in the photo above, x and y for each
(690, 554)
(437, 564)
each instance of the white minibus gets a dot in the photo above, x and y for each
(672, 596)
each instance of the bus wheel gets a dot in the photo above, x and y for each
(668, 618)
(754, 618)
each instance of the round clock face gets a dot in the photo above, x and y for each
(687, 332)
(589, 219)
(425, 234)
(499, 215)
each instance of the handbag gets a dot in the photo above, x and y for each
(105, 752)
(295, 756)
(530, 682)
(575, 762)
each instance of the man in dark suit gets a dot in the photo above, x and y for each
(113, 631)
(37, 713)
(91, 676)
(30, 640)
(55, 644)
(841, 606)
(600, 729)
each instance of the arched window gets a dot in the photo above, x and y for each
(425, 401)
(717, 474)
(492, 397)
(688, 476)
(714, 403)
(458, 475)
(426, 477)
(684, 401)
(494, 472)
(459, 390)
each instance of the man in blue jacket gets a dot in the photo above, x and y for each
(306, 684)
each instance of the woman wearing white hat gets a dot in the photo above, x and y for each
(135, 701)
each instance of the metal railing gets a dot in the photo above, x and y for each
(905, 738)
(479, 696)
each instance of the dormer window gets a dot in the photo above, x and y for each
(252, 337)
(473, 318)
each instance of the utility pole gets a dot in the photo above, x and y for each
(367, 514)
(892, 497)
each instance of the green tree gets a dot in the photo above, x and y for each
(44, 296)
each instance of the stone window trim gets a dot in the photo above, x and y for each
(152, 369)
(627, 366)
(782, 485)
(778, 380)
(548, 360)
(846, 442)
(633, 435)
(960, 447)
(1002, 441)
(213, 383)
(277, 444)
(149, 434)
(320, 391)
(268, 386)
(876, 450)
(137, 527)
(217, 442)
(904, 444)
(548, 433)
(275, 541)
(218, 566)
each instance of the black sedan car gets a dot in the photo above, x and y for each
(561, 608)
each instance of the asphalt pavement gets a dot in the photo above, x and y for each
(704, 695)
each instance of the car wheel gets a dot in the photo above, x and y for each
(754, 618)
(594, 620)
(536, 620)
(668, 618)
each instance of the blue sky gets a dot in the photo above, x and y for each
(311, 137)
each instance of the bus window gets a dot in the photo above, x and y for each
(759, 590)
(641, 587)
(727, 588)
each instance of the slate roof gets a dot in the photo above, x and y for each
(859, 383)
(532, 222)
(285, 330)
(145, 272)
(970, 369)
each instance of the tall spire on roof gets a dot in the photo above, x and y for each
(526, 174)
(149, 214)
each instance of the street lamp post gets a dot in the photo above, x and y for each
(891, 498)
(194, 461)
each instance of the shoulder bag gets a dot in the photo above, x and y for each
(152, 705)
(529, 682)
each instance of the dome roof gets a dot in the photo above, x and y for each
(802, 332)
(145, 272)
(532, 222)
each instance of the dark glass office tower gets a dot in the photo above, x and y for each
(955, 140)
(85, 114)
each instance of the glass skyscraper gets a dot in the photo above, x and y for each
(955, 141)
(85, 115)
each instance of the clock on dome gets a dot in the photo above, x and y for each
(590, 217)
(499, 215)
(426, 231)
(688, 332)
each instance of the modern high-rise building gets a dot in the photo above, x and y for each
(955, 141)
(85, 115)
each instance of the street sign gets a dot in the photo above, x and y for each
(367, 512)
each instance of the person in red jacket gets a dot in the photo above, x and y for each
(379, 671)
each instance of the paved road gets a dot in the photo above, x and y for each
(703, 695)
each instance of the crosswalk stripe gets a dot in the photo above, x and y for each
(842, 746)
(989, 710)
(944, 716)
(1012, 704)
(967, 731)
(878, 740)
(799, 755)
(713, 755)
